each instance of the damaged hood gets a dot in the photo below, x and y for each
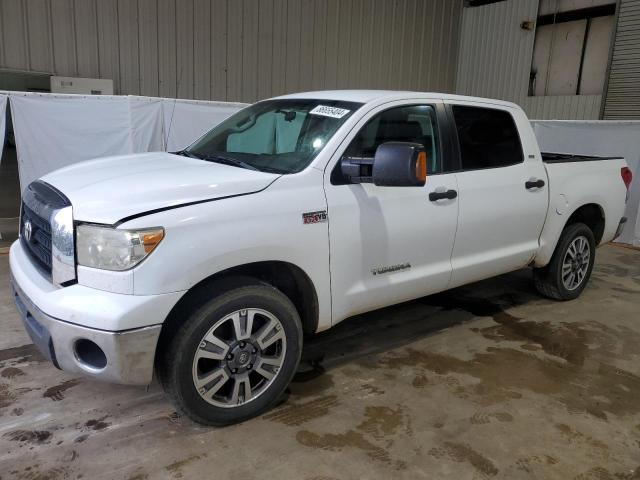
(110, 189)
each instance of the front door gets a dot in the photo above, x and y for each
(390, 244)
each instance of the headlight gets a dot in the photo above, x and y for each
(113, 249)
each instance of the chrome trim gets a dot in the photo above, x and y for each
(130, 354)
(52, 206)
(63, 267)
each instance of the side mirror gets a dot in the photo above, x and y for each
(400, 164)
(396, 164)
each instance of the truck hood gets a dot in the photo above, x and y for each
(110, 189)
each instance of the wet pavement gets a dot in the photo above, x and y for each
(485, 381)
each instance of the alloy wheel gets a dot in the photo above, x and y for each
(576, 263)
(239, 357)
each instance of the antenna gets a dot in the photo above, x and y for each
(173, 110)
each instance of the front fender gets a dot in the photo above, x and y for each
(202, 240)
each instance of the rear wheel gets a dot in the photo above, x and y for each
(234, 356)
(567, 274)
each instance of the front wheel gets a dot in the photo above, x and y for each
(234, 356)
(570, 267)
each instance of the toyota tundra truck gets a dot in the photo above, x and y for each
(209, 266)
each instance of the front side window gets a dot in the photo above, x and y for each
(415, 124)
(280, 136)
(488, 138)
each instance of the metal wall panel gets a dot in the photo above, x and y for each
(129, 46)
(219, 44)
(202, 49)
(65, 58)
(622, 99)
(495, 61)
(85, 28)
(39, 35)
(574, 107)
(108, 42)
(15, 47)
(236, 50)
(148, 44)
(249, 81)
(495, 53)
(167, 77)
(266, 43)
(184, 48)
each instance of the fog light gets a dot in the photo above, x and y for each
(90, 354)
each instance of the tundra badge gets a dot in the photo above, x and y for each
(390, 269)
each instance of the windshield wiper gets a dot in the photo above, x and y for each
(227, 161)
(230, 161)
(186, 153)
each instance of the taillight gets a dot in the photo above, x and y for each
(626, 174)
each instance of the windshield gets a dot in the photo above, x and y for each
(280, 136)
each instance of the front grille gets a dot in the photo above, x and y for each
(40, 201)
(39, 244)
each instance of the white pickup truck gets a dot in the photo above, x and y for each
(209, 265)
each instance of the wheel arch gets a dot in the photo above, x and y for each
(592, 215)
(589, 212)
(286, 277)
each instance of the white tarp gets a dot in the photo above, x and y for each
(3, 119)
(187, 120)
(146, 124)
(603, 138)
(55, 130)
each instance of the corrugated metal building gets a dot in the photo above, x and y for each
(622, 99)
(498, 49)
(550, 56)
(236, 50)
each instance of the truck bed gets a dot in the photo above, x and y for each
(549, 157)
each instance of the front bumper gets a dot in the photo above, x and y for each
(63, 324)
(128, 355)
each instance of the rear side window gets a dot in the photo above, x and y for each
(488, 138)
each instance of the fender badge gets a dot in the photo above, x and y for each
(314, 217)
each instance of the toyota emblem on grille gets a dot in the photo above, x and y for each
(27, 230)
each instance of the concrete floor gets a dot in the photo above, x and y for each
(487, 381)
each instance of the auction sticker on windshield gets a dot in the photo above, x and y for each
(327, 111)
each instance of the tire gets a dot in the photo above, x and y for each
(216, 349)
(549, 280)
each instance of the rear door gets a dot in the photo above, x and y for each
(503, 196)
(390, 244)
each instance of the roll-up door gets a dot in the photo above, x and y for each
(622, 96)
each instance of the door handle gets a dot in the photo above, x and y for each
(534, 183)
(448, 194)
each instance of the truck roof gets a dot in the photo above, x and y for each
(368, 96)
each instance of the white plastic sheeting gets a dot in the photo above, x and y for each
(3, 119)
(603, 138)
(187, 120)
(53, 130)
